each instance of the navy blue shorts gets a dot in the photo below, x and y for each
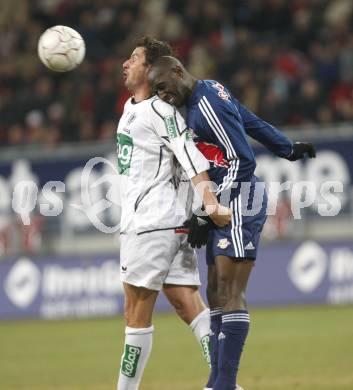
(240, 239)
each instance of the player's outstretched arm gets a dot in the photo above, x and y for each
(263, 132)
(273, 139)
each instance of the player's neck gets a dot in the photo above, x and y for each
(141, 93)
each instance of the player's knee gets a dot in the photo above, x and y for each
(223, 290)
(229, 292)
(235, 301)
(135, 319)
(212, 295)
(128, 312)
(224, 281)
(211, 290)
(127, 317)
(136, 315)
(212, 285)
(239, 298)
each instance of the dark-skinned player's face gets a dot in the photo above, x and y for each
(169, 86)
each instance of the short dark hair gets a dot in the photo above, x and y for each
(154, 48)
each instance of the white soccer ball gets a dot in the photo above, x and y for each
(61, 48)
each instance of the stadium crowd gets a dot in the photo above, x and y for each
(290, 61)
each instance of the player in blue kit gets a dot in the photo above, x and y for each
(221, 125)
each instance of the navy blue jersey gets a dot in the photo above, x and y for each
(221, 125)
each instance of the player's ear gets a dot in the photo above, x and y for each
(148, 68)
(179, 71)
(150, 76)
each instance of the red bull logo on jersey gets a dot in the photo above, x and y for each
(222, 93)
(213, 154)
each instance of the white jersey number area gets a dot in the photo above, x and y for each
(125, 149)
(153, 152)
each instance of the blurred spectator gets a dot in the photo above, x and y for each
(308, 101)
(15, 135)
(289, 61)
(107, 130)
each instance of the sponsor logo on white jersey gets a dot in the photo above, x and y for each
(131, 118)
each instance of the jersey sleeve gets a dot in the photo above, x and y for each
(171, 128)
(265, 133)
(222, 121)
(218, 119)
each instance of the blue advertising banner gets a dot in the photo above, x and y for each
(333, 164)
(60, 287)
(72, 287)
(301, 273)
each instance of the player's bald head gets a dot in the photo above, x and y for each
(165, 64)
(170, 80)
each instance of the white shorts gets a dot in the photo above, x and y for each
(153, 259)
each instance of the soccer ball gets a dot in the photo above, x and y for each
(61, 48)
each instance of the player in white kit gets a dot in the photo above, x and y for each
(154, 149)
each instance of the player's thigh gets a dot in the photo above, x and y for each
(183, 281)
(146, 258)
(254, 218)
(183, 269)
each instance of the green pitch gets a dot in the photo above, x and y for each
(288, 349)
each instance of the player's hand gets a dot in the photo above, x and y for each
(301, 150)
(199, 227)
(222, 216)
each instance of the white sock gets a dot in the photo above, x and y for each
(200, 326)
(137, 349)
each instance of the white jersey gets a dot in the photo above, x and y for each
(153, 143)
